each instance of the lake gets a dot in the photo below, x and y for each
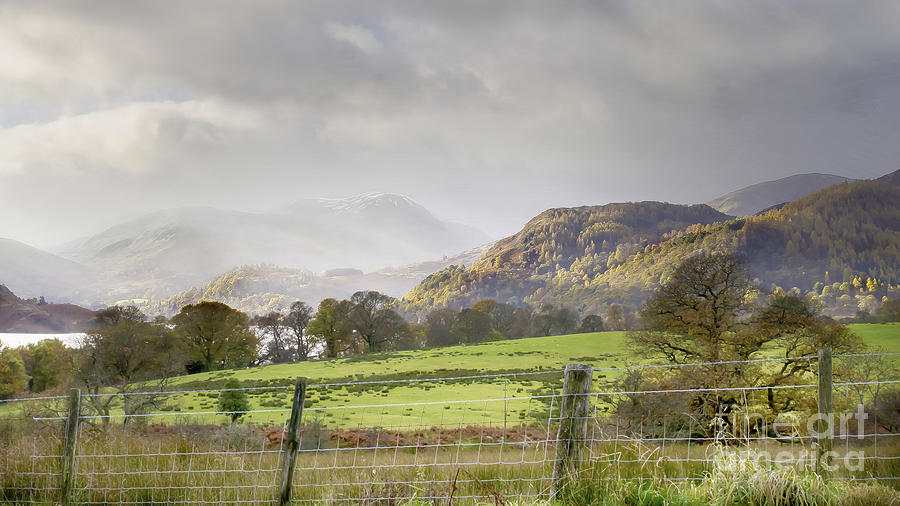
(13, 340)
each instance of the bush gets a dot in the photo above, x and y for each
(233, 401)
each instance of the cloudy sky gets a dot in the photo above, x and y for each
(485, 112)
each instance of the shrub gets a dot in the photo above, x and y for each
(232, 401)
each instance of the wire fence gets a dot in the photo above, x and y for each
(464, 439)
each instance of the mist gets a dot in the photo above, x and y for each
(485, 114)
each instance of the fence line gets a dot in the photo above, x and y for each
(400, 450)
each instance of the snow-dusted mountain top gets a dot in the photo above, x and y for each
(170, 250)
(356, 204)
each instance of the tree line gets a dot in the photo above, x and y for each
(125, 350)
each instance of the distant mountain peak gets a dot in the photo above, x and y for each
(893, 178)
(164, 252)
(362, 202)
(752, 199)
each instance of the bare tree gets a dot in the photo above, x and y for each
(277, 348)
(296, 321)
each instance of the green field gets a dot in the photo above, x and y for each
(879, 335)
(602, 350)
(344, 406)
(451, 424)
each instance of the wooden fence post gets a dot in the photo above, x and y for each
(825, 424)
(67, 474)
(292, 443)
(574, 409)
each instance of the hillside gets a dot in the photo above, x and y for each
(583, 241)
(839, 234)
(31, 272)
(32, 316)
(761, 196)
(164, 252)
(893, 178)
(259, 289)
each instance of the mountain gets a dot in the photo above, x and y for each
(33, 273)
(259, 289)
(839, 234)
(753, 199)
(159, 254)
(893, 178)
(557, 248)
(848, 235)
(33, 316)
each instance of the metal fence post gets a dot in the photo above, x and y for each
(67, 473)
(574, 409)
(292, 443)
(825, 424)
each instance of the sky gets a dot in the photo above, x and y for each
(484, 112)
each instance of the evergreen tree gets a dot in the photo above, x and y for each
(233, 401)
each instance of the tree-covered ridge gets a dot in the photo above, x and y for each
(848, 233)
(255, 289)
(832, 235)
(585, 240)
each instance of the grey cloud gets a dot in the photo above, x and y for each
(486, 112)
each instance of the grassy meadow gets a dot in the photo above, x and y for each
(365, 441)
(379, 403)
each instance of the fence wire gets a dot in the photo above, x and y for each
(365, 441)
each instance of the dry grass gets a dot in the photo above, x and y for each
(209, 464)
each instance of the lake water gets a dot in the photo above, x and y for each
(13, 340)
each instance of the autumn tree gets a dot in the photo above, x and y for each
(543, 321)
(694, 316)
(12, 373)
(523, 323)
(215, 336)
(331, 326)
(439, 325)
(619, 317)
(47, 364)
(591, 323)
(122, 354)
(793, 325)
(377, 325)
(554, 320)
(503, 319)
(565, 321)
(502, 316)
(703, 316)
(393, 332)
(890, 309)
(471, 326)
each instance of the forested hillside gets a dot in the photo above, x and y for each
(258, 289)
(559, 248)
(587, 258)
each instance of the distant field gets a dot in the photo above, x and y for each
(604, 350)
(879, 335)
